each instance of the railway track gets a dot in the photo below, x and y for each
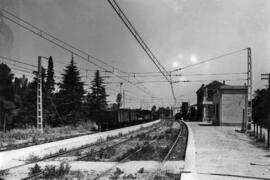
(166, 158)
(121, 139)
(105, 173)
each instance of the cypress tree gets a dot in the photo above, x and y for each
(71, 92)
(98, 94)
(50, 83)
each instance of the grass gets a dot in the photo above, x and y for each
(32, 135)
(116, 174)
(51, 171)
(4, 172)
(32, 158)
(35, 170)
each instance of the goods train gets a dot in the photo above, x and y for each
(113, 119)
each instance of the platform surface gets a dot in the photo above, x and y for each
(220, 152)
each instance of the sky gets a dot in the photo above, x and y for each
(179, 33)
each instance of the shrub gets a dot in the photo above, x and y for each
(130, 176)
(34, 170)
(116, 173)
(62, 150)
(51, 171)
(4, 172)
(141, 170)
(78, 153)
(32, 158)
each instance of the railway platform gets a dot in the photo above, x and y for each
(222, 153)
(13, 158)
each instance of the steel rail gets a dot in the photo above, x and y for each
(167, 155)
(83, 148)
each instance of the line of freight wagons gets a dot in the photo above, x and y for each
(123, 117)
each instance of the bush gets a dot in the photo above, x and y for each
(32, 158)
(34, 170)
(4, 172)
(141, 170)
(51, 172)
(116, 173)
(62, 150)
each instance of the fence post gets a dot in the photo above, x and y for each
(268, 137)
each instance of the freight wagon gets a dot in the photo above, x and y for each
(113, 119)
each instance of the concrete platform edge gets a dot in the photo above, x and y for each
(189, 172)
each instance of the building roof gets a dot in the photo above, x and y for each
(212, 85)
(233, 87)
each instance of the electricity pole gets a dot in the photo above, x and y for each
(39, 97)
(249, 85)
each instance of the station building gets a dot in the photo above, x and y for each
(230, 103)
(205, 106)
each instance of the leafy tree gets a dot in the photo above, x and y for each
(261, 104)
(71, 92)
(50, 83)
(97, 98)
(6, 95)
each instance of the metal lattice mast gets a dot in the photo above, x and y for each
(39, 97)
(249, 85)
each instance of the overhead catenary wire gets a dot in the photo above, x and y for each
(14, 63)
(59, 40)
(203, 74)
(184, 81)
(141, 42)
(23, 71)
(65, 46)
(210, 59)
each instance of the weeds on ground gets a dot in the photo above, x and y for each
(4, 172)
(78, 153)
(100, 140)
(129, 177)
(120, 134)
(76, 175)
(51, 171)
(34, 135)
(106, 153)
(34, 170)
(32, 158)
(62, 150)
(19, 134)
(116, 174)
(141, 170)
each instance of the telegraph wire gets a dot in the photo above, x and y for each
(87, 59)
(144, 46)
(177, 75)
(184, 81)
(42, 32)
(136, 35)
(16, 61)
(211, 59)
